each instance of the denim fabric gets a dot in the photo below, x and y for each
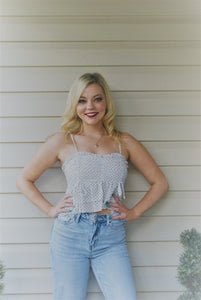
(94, 240)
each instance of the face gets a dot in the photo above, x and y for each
(91, 106)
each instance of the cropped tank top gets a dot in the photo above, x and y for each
(93, 178)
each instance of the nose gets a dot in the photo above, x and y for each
(90, 104)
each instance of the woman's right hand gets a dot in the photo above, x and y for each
(60, 207)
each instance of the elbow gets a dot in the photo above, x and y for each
(165, 185)
(22, 181)
(19, 182)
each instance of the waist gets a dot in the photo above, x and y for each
(90, 218)
(102, 212)
(105, 213)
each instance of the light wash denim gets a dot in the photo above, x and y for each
(95, 240)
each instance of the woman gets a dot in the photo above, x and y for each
(89, 220)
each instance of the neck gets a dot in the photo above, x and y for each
(94, 131)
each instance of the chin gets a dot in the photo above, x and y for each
(92, 121)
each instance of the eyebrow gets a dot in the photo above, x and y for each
(93, 96)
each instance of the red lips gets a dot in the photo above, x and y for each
(91, 115)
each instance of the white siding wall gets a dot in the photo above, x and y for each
(149, 52)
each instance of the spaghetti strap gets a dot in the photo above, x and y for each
(74, 142)
(120, 148)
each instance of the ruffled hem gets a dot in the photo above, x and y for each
(93, 197)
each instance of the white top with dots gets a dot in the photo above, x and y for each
(93, 178)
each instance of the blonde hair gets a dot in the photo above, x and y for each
(72, 123)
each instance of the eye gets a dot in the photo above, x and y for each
(81, 101)
(98, 99)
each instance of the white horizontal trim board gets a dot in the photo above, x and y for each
(99, 296)
(53, 180)
(165, 153)
(172, 204)
(127, 103)
(136, 8)
(144, 229)
(160, 78)
(99, 53)
(91, 28)
(24, 256)
(39, 281)
(170, 128)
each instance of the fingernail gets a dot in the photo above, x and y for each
(110, 217)
(107, 203)
(113, 194)
(70, 210)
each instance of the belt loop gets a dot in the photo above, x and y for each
(109, 220)
(94, 218)
(78, 218)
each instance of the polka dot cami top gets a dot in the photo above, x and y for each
(93, 178)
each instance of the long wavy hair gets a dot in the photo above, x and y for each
(72, 123)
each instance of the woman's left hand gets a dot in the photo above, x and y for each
(124, 212)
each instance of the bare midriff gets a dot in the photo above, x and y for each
(103, 212)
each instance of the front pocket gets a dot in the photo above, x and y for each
(117, 223)
(66, 219)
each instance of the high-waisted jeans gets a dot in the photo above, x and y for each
(94, 240)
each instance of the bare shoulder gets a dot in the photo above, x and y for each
(128, 140)
(142, 159)
(131, 145)
(62, 145)
(45, 157)
(57, 139)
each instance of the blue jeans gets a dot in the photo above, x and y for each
(94, 240)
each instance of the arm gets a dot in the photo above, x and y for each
(45, 157)
(143, 161)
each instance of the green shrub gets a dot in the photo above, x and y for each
(2, 272)
(189, 269)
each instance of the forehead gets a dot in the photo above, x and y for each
(92, 89)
